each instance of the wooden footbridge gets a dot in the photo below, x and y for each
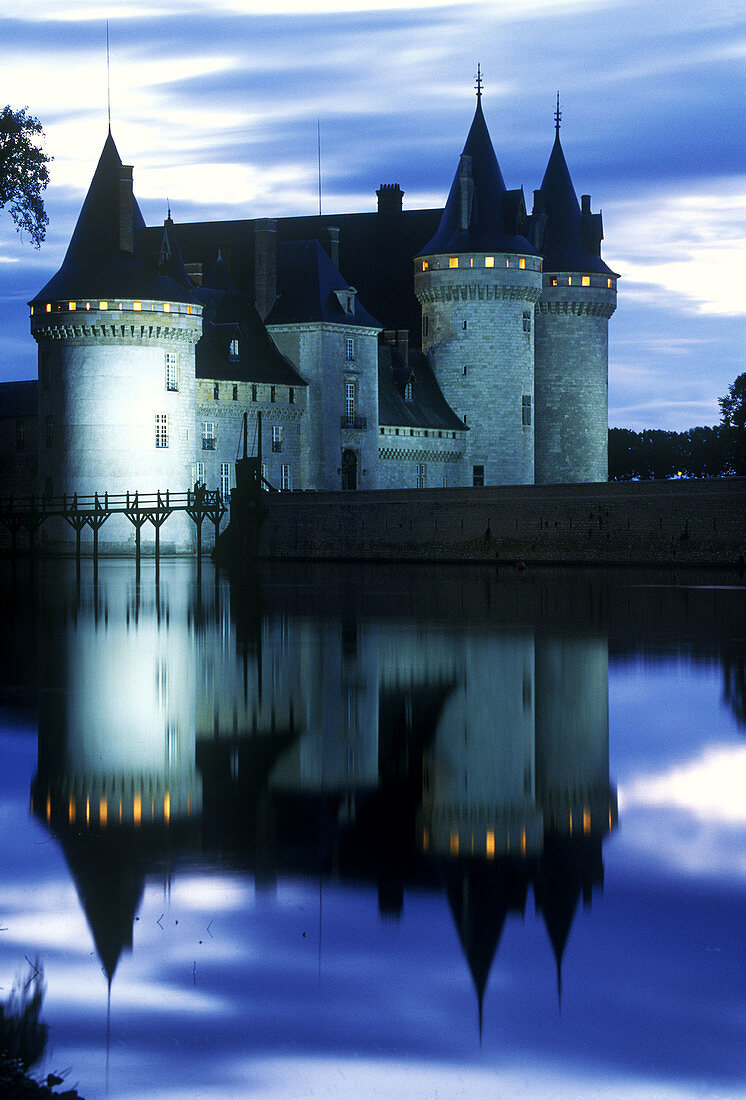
(31, 513)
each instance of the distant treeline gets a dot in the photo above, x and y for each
(697, 452)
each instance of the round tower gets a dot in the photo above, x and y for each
(572, 332)
(116, 337)
(477, 281)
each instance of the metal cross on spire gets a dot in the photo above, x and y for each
(478, 84)
(557, 117)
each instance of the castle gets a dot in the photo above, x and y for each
(466, 346)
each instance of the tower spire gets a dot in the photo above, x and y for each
(108, 77)
(557, 117)
(478, 85)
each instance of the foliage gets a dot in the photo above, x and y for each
(733, 405)
(23, 172)
(697, 452)
(23, 1039)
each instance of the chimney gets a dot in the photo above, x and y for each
(585, 204)
(402, 343)
(125, 210)
(388, 337)
(332, 234)
(390, 197)
(265, 265)
(465, 191)
(194, 271)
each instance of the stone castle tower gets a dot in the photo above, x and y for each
(116, 362)
(572, 332)
(478, 280)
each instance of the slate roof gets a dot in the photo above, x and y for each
(571, 239)
(306, 284)
(258, 357)
(94, 266)
(428, 407)
(19, 398)
(493, 211)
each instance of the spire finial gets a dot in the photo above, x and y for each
(557, 117)
(108, 77)
(478, 85)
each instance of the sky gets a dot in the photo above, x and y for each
(218, 106)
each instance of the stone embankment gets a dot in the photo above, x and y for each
(651, 522)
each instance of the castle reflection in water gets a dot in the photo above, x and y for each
(347, 729)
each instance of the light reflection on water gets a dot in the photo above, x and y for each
(354, 830)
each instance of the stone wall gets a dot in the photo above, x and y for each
(616, 523)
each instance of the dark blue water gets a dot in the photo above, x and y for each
(377, 831)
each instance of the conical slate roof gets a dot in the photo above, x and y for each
(488, 229)
(94, 265)
(567, 244)
(307, 286)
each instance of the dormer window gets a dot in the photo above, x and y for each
(233, 352)
(346, 299)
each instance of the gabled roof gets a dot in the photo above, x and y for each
(480, 213)
(94, 265)
(428, 407)
(571, 239)
(19, 398)
(306, 284)
(258, 359)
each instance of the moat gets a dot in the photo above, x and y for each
(346, 830)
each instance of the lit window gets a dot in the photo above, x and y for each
(103, 305)
(586, 280)
(522, 264)
(234, 349)
(209, 434)
(172, 371)
(526, 321)
(71, 306)
(489, 844)
(526, 408)
(135, 305)
(421, 474)
(349, 349)
(425, 265)
(161, 429)
(569, 280)
(49, 307)
(552, 282)
(453, 262)
(225, 480)
(276, 437)
(166, 307)
(608, 283)
(235, 392)
(489, 261)
(285, 477)
(507, 261)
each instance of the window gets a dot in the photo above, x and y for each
(20, 435)
(608, 283)
(291, 395)
(552, 282)
(199, 473)
(586, 280)
(285, 477)
(425, 324)
(349, 349)
(235, 392)
(272, 393)
(233, 352)
(276, 437)
(264, 471)
(489, 261)
(526, 321)
(161, 429)
(526, 408)
(172, 371)
(477, 476)
(225, 480)
(408, 391)
(253, 393)
(464, 326)
(350, 403)
(453, 262)
(216, 391)
(421, 475)
(209, 434)
(425, 265)
(522, 264)
(48, 431)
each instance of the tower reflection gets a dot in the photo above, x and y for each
(468, 757)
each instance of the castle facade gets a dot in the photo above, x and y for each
(458, 347)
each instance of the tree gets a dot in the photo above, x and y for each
(733, 405)
(23, 172)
